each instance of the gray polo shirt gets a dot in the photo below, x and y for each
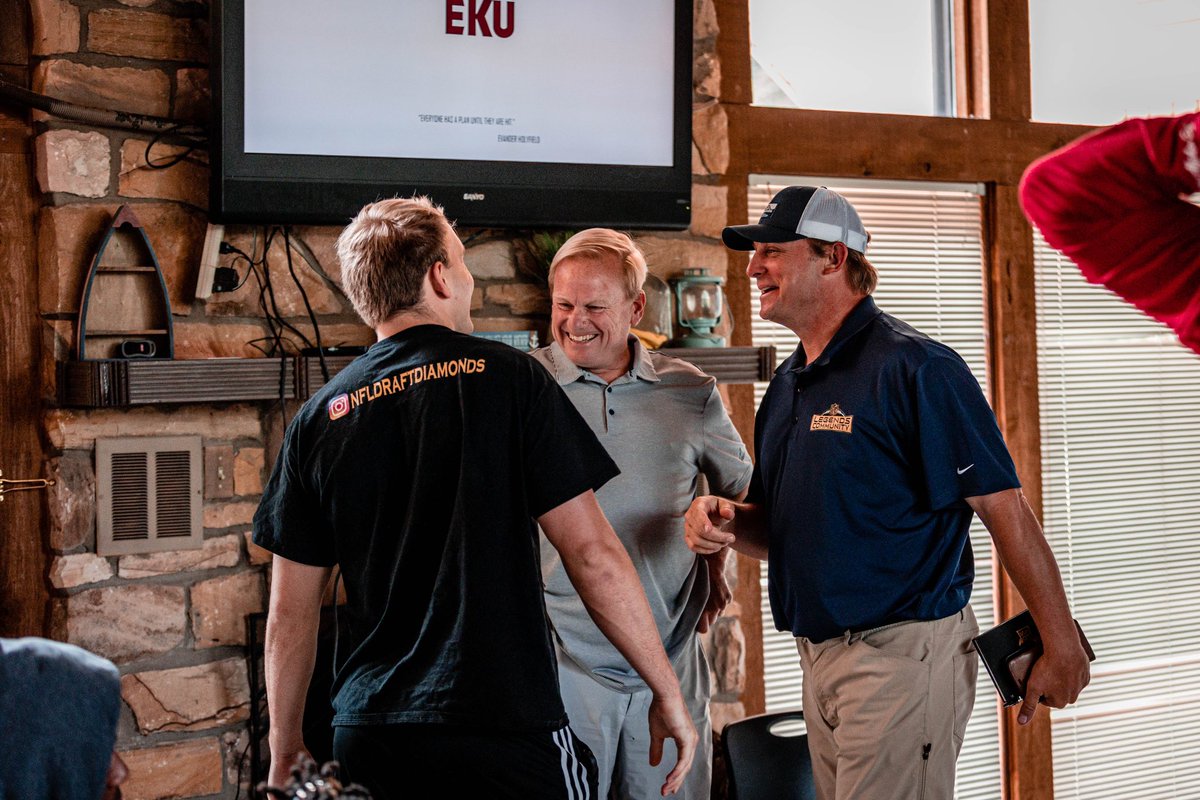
(664, 424)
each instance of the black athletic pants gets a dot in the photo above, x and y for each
(397, 761)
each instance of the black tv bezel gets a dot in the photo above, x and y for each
(304, 189)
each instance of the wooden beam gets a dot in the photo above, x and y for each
(970, 62)
(24, 598)
(733, 48)
(748, 597)
(1007, 43)
(15, 33)
(1012, 319)
(741, 400)
(733, 56)
(847, 144)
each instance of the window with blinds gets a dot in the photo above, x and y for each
(1120, 417)
(927, 245)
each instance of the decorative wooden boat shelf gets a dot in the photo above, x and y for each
(125, 310)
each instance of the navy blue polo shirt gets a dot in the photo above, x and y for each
(864, 458)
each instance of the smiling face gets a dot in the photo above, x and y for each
(591, 314)
(789, 279)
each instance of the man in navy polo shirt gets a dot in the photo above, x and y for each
(875, 446)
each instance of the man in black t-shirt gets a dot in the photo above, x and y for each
(420, 471)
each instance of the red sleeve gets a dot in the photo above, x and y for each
(1112, 202)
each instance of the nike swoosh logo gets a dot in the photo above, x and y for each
(964, 469)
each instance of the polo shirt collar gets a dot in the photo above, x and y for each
(565, 371)
(856, 321)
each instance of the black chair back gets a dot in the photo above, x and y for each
(764, 765)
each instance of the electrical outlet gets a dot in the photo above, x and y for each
(225, 279)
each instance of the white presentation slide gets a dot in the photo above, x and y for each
(564, 81)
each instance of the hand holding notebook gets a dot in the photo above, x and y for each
(1009, 650)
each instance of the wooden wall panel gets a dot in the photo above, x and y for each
(23, 594)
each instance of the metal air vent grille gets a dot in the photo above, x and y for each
(148, 494)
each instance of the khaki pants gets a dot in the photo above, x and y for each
(886, 709)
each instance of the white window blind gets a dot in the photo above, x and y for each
(1120, 420)
(927, 246)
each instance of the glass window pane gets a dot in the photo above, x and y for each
(1120, 431)
(1095, 62)
(855, 55)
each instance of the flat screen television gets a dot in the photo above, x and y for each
(509, 113)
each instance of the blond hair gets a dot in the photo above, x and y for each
(385, 253)
(597, 243)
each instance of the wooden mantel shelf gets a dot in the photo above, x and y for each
(133, 382)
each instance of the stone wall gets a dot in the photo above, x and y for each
(173, 621)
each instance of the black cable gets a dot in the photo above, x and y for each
(249, 269)
(280, 322)
(275, 321)
(276, 324)
(266, 271)
(272, 324)
(172, 131)
(287, 249)
(173, 160)
(306, 253)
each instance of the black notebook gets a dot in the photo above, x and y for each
(1009, 650)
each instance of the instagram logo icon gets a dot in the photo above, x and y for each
(339, 406)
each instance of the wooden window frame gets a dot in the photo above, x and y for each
(991, 142)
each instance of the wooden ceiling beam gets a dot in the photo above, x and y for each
(888, 146)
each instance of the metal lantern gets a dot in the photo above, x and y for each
(699, 303)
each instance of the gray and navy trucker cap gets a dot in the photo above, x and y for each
(802, 212)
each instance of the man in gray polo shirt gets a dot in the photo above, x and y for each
(663, 423)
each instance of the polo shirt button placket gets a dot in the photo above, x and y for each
(609, 411)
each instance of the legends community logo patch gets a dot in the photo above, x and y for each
(833, 419)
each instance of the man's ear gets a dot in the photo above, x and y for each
(639, 308)
(437, 280)
(836, 258)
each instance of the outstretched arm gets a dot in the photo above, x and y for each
(719, 593)
(1062, 672)
(1114, 202)
(602, 573)
(713, 523)
(290, 651)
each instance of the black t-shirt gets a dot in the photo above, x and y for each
(420, 469)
